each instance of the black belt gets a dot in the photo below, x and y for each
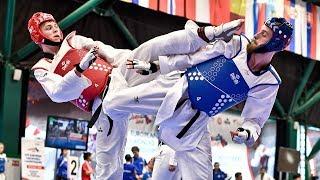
(161, 143)
(180, 104)
(97, 112)
(188, 126)
(95, 117)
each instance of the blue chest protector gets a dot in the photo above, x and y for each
(216, 85)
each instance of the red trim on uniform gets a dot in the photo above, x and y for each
(163, 6)
(48, 60)
(191, 9)
(69, 43)
(40, 68)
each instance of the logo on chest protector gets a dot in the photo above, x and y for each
(65, 64)
(235, 78)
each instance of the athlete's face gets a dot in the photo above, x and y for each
(261, 38)
(51, 30)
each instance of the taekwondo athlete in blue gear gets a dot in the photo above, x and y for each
(222, 82)
(181, 125)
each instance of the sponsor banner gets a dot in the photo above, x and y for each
(32, 159)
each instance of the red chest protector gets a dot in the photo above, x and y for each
(98, 73)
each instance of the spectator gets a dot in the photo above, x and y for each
(3, 159)
(238, 176)
(296, 177)
(86, 170)
(147, 174)
(62, 164)
(129, 171)
(263, 175)
(217, 173)
(138, 161)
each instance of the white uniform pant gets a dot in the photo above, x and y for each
(161, 165)
(193, 149)
(196, 164)
(110, 148)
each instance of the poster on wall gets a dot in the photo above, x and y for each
(146, 141)
(32, 159)
(238, 158)
(142, 134)
(313, 135)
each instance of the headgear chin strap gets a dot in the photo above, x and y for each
(51, 43)
(282, 31)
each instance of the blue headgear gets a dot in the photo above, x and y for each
(282, 31)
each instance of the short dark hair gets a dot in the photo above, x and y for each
(216, 163)
(237, 174)
(86, 155)
(128, 157)
(296, 176)
(135, 148)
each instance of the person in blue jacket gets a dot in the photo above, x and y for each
(138, 161)
(62, 166)
(129, 170)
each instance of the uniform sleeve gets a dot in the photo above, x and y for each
(172, 159)
(61, 89)
(107, 52)
(258, 107)
(183, 61)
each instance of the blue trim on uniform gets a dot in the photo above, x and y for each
(242, 34)
(275, 74)
(264, 84)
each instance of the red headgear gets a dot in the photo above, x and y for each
(34, 26)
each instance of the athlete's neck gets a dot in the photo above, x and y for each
(259, 61)
(50, 49)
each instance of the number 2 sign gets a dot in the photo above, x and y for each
(73, 167)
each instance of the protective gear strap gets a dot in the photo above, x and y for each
(52, 43)
(47, 55)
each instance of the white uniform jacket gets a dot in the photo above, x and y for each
(260, 99)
